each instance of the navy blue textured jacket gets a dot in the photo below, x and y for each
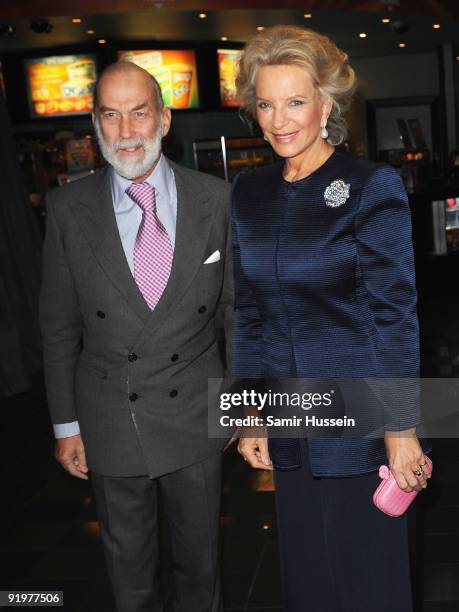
(325, 288)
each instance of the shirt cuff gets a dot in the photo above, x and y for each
(64, 430)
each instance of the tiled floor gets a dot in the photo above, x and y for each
(49, 532)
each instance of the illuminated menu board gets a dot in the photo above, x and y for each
(228, 60)
(61, 85)
(175, 71)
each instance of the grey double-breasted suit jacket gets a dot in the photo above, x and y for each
(135, 379)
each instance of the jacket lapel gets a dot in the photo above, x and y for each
(96, 216)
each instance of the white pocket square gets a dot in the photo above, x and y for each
(213, 258)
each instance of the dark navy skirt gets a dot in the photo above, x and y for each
(338, 552)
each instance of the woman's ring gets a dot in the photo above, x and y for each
(422, 465)
(419, 472)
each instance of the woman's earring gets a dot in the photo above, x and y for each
(264, 137)
(324, 133)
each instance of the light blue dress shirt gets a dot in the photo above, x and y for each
(128, 216)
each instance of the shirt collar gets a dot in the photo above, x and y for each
(160, 179)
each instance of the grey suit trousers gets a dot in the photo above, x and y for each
(128, 511)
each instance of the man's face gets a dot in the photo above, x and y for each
(128, 124)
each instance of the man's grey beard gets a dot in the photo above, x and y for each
(131, 168)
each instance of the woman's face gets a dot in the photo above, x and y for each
(289, 109)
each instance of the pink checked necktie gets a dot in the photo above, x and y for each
(153, 251)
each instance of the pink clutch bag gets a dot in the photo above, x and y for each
(389, 498)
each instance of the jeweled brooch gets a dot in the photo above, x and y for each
(336, 193)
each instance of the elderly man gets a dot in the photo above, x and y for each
(136, 285)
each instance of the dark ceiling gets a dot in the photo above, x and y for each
(143, 20)
(11, 9)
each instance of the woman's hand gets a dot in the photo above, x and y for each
(253, 446)
(405, 458)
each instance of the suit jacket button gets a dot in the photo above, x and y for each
(100, 314)
(173, 393)
(133, 397)
(132, 357)
(174, 357)
(202, 309)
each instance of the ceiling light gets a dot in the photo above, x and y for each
(202, 15)
(101, 41)
(260, 28)
(402, 45)
(457, 57)
(385, 20)
(90, 31)
(436, 26)
(307, 15)
(76, 20)
(362, 35)
(224, 38)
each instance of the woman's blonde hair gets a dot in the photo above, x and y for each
(327, 66)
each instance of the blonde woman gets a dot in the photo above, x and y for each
(325, 287)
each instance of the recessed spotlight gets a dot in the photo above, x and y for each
(102, 41)
(260, 28)
(457, 58)
(362, 35)
(202, 15)
(436, 26)
(224, 38)
(76, 20)
(90, 31)
(402, 45)
(307, 15)
(385, 20)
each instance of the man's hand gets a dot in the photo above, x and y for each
(70, 454)
(405, 458)
(253, 446)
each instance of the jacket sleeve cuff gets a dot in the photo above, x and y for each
(65, 430)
